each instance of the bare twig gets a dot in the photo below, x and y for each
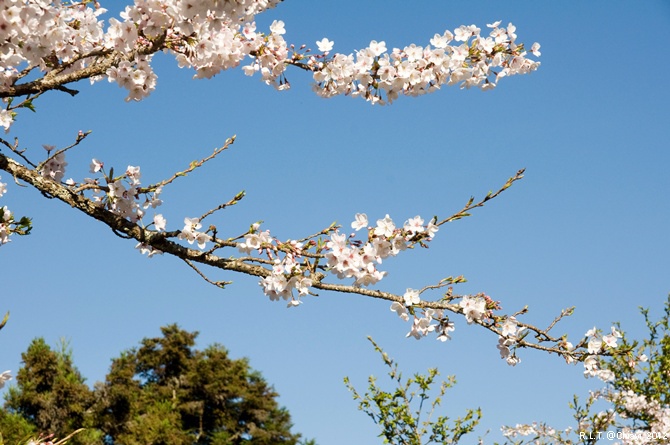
(219, 284)
(192, 166)
(471, 205)
(232, 202)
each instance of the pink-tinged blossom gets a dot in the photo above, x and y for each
(153, 201)
(4, 378)
(324, 45)
(360, 221)
(421, 327)
(606, 375)
(148, 250)
(503, 346)
(473, 308)
(133, 174)
(463, 33)
(3, 189)
(414, 225)
(398, 245)
(441, 41)
(252, 241)
(590, 366)
(294, 302)
(54, 168)
(277, 27)
(511, 29)
(610, 341)
(301, 284)
(432, 229)
(509, 327)
(513, 360)
(385, 227)
(595, 345)
(377, 48)
(159, 222)
(201, 239)
(535, 49)
(368, 275)
(6, 119)
(411, 297)
(96, 165)
(191, 234)
(274, 286)
(400, 309)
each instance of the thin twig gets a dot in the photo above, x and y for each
(237, 198)
(470, 205)
(192, 166)
(219, 284)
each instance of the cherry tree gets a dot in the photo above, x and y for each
(49, 46)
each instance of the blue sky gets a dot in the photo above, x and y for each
(586, 227)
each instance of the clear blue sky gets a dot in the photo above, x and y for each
(588, 226)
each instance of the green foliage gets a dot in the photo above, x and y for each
(650, 377)
(21, 227)
(164, 392)
(50, 395)
(641, 371)
(399, 413)
(14, 428)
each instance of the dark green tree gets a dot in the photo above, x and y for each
(50, 397)
(163, 392)
(167, 392)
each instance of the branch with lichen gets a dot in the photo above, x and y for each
(94, 198)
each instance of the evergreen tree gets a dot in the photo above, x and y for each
(167, 392)
(164, 392)
(50, 397)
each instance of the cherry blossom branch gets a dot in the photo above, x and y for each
(478, 309)
(211, 38)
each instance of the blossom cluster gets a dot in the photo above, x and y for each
(511, 331)
(8, 224)
(473, 60)
(191, 231)
(534, 429)
(6, 221)
(596, 344)
(210, 36)
(122, 195)
(422, 326)
(46, 35)
(54, 166)
(640, 406)
(346, 256)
